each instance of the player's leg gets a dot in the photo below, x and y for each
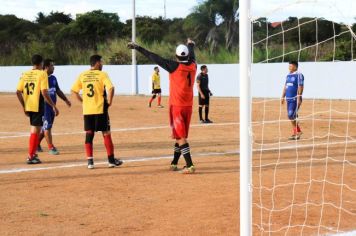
(151, 99)
(103, 124)
(40, 138)
(207, 102)
(201, 105)
(176, 156)
(47, 126)
(184, 115)
(36, 125)
(52, 149)
(159, 99)
(89, 128)
(292, 116)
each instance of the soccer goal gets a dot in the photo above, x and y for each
(297, 169)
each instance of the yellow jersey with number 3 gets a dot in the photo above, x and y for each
(93, 84)
(31, 83)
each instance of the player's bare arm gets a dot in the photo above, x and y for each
(111, 93)
(64, 97)
(283, 95)
(77, 96)
(48, 99)
(299, 97)
(22, 102)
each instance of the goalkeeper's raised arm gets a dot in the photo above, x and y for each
(182, 56)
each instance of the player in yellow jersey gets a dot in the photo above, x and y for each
(96, 102)
(32, 90)
(156, 88)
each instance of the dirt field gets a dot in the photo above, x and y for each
(297, 185)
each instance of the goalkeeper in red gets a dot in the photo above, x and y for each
(181, 78)
(292, 92)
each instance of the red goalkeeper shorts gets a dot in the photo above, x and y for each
(180, 121)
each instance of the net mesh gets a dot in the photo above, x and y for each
(305, 186)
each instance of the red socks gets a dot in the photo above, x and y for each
(151, 100)
(159, 101)
(33, 143)
(89, 144)
(109, 145)
(297, 130)
(89, 150)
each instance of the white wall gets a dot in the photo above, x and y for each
(335, 80)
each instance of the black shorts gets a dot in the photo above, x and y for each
(155, 91)
(36, 118)
(205, 101)
(97, 122)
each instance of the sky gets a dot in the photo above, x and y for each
(338, 10)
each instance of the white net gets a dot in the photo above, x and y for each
(305, 186)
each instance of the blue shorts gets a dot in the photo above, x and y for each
(48, 119)
(292, 109)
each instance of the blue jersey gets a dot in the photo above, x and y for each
(52, 91)
(293, 81)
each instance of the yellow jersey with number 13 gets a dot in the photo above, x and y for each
(31, 83)
(93, 83)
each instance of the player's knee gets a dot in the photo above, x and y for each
(89, 136)
(291, 115)
(106, 133)
(154, 96)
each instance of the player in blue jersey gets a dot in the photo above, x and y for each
(48, 117)
(292, 92)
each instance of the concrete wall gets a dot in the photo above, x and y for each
(335, 80)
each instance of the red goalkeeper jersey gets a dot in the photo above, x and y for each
(181, 84)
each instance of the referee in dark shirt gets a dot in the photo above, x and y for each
(204, 94)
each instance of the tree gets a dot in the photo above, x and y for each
(214, 18)
(54, 18)
(91, 28)
(202, 25)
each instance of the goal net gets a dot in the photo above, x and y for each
(303, 183)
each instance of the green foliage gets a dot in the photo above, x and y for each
(212, 24)
(53, 18)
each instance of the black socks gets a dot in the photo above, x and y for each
(201, 113)
(185, 150)
(176, 155)
(206, 113)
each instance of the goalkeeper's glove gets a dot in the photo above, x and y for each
(132, 45)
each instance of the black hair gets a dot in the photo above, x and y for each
(94, 59)
(37, 59)
(293, 63)
(47, 62)
(203, 67)
(155, 68)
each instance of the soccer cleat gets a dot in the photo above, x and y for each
(115, 162)
(202, 121)
(188, 170)
(160, 106)
(294, 137)
(208, 121)
(33, 160)
(173, 167)
(53, 151)
(90, 164)
(39, 148)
